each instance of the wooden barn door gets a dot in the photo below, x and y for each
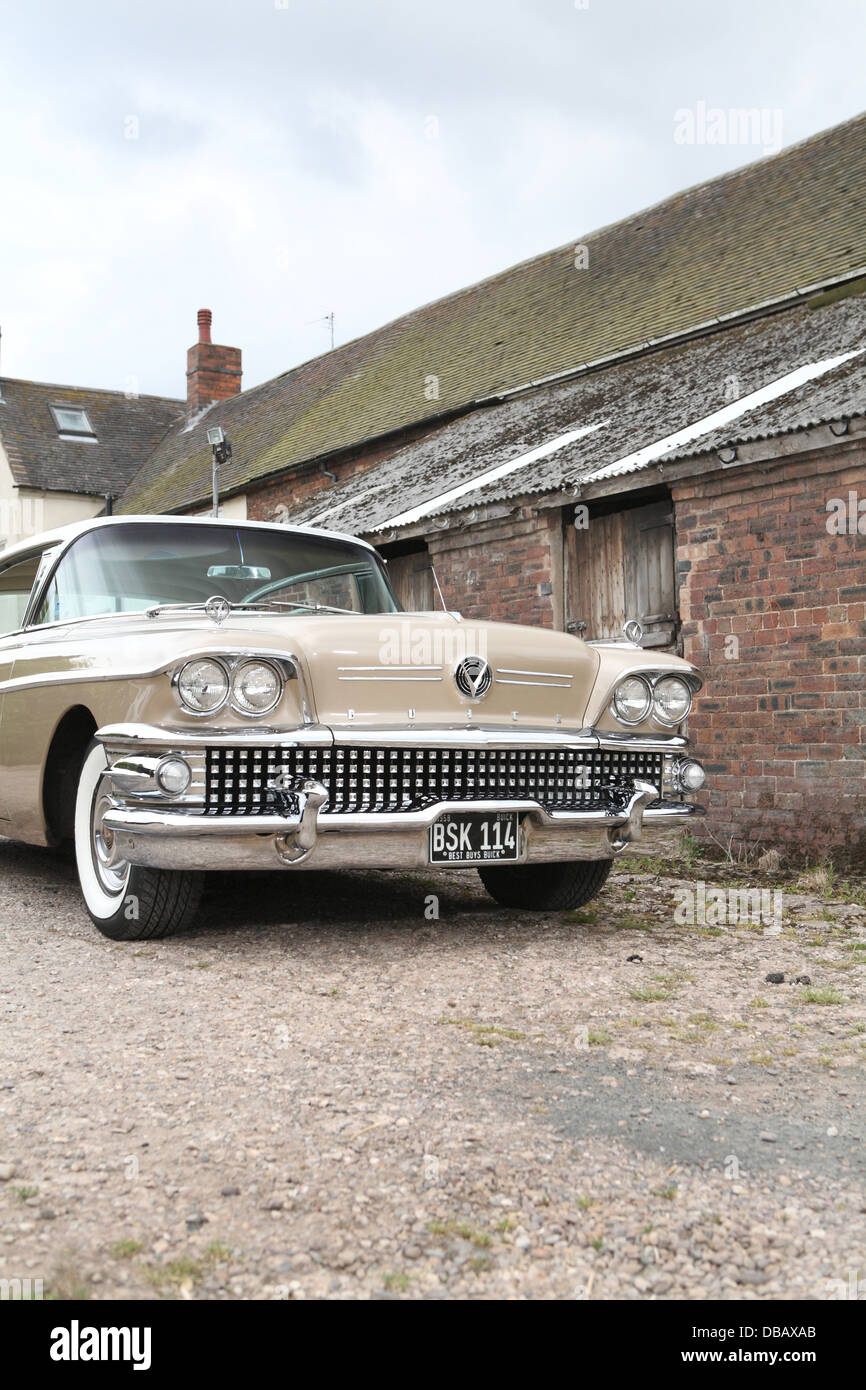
(412, 580)
(622, 566)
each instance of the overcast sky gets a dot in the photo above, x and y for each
(274, 160)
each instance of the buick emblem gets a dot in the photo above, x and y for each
(473, 677)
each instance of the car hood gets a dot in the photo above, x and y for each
(387, 668)
(371, 670)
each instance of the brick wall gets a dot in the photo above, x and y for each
(499, 569)
(774, 613)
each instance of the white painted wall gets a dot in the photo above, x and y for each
(232, 509)
(27, 511)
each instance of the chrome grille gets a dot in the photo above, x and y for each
(409, 779)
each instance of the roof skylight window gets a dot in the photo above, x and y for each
(72, 422)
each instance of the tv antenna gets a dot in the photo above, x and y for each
(329, 320)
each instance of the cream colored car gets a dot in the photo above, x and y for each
(178, 696)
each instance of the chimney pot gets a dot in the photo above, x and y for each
(213, 372)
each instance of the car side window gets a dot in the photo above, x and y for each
(16, 585)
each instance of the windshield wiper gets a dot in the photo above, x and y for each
(309, 607)
(219, 608)
(212, 606)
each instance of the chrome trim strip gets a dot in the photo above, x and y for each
(188, 824)
(669, 812)
(512, 671)
(144, 736)
(560, 685)
(462, 736)
(139, 736)
(643, 743)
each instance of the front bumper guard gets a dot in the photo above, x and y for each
(305, 837)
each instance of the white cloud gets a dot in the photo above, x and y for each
(284, 165)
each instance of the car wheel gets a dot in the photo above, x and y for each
(546, 887)
(127, 902)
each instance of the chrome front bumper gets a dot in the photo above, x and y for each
(163, 839)
(146, 831)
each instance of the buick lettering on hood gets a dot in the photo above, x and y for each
(178, 696)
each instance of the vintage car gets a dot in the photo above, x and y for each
(181, 695)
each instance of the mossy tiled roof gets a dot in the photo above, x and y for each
(628, 406)
(127, 431)
(760, 233)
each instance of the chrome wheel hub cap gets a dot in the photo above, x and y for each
(113, 875)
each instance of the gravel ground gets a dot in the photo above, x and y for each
(321, 1092)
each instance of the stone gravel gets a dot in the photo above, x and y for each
(322, 1092)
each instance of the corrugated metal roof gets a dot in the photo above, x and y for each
(632, 405)
(726, 419)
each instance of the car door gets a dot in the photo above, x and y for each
(18, 578)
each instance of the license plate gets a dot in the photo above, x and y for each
(474, 837)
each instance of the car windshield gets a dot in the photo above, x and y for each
(142, 565)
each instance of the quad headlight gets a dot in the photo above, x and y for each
(672, 700)
(203, 686)
(256, 688)
(667, 698)
(632, 700)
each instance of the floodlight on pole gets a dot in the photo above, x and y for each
(222, 453)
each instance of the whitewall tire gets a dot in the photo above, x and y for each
(127, 902)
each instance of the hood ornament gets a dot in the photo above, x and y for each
(217, 609)
(633, 631)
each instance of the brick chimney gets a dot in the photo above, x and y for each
(213, 373)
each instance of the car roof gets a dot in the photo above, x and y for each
(64, 535)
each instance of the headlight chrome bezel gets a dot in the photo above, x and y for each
(177, 686)
(661, 719)
(232, 666)
(652, 679)
(237, 702)
(638, 680)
